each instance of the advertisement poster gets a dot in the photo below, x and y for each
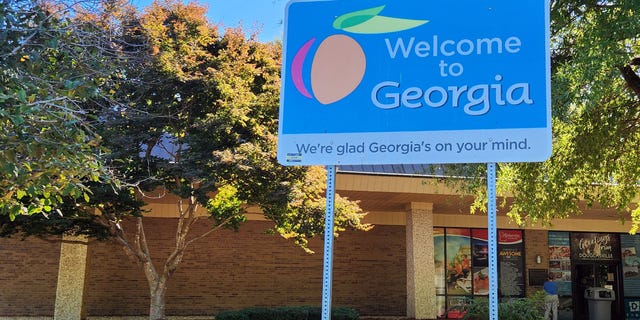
(458, 265)
(511, 263)
(439, 261)
(594, 246)
(480, 261)
(560, 261)
(630, 247)
(456, 307)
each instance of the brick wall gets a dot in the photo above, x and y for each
(28, 277)
(228, 270)
(231, 270)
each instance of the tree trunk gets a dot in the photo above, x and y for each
(157, 305)
(138, 250)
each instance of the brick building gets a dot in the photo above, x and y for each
(424, 256)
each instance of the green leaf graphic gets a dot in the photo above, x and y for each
(356, 17)
(380, 24)
(368, 21)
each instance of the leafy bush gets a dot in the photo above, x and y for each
(531, 308)
(259, 313)
(232, 315)
(295, 313)
(288, 313)
(344, 313)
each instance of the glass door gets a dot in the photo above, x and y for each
(589, 274)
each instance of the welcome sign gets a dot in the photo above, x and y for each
(415, 81)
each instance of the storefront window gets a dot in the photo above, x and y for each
(630, 247)
(560, 261)
(630, 253)
(462, 267)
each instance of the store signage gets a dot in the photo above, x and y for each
(594, 246)
(415, 81)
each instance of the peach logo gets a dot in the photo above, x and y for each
(339, 62)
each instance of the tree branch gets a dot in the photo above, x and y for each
(121, 238)
(220, 225)
(143, 238)
(179, 228)
(182, 230)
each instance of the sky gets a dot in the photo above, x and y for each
(265, 15)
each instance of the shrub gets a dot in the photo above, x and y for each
(344, 313)
(291, 313)
(515, 309)
(259, 313)
(231, 315)
(288, 313)
(315, 313)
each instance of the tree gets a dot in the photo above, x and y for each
(196, 118)
(207, 133)
(596, 112)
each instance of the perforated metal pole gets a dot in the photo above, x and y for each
(493, 241)
(328, 244)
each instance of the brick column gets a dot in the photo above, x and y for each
(71, 279)
(421, 290)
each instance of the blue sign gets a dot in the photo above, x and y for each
(415, 81)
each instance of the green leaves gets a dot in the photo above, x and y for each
(226, 208)
(47, 137)
(596, 118)
(20, 194)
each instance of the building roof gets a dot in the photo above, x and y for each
(395, 169)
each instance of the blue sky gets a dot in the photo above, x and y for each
(267, 15)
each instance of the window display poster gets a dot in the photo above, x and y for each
(458, 262)
(441, 305)
(630, 248)
(560, 261)
(511, 263)
(438, 257)
(480, 261)
(456, 307)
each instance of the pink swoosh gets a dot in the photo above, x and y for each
(296, 68)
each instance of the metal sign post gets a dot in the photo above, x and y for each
(328, 244)
(493, 241)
